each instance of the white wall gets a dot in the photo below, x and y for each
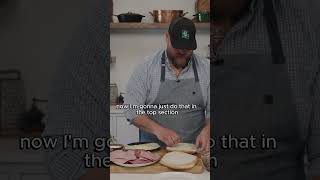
(130, 47)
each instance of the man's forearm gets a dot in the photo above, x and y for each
(146, 124)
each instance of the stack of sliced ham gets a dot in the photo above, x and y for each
(133, 157)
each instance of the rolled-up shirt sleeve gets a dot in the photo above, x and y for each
(314, 133)
(136, 92)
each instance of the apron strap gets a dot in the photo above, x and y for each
(163, 68)
(273, 30)
(195, 71)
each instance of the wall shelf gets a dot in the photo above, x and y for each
(155, 26)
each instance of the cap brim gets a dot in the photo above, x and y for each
(184, 44)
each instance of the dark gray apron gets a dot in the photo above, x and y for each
(188, 122)
(252, 97)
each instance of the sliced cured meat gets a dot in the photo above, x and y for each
(122, 156)
(137, 153)
(133, 157)
(140, 161)
(149, 155)
(121, 161)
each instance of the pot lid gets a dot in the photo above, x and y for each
(131, 14)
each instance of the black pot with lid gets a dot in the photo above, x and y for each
(130, 17)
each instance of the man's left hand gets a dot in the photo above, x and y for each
(203, 140)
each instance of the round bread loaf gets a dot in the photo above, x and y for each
(179, 160)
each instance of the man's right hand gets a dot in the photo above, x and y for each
(168, 136)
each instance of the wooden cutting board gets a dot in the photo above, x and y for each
(156, 168)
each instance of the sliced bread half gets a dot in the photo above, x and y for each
(183, 147)
(179, 160)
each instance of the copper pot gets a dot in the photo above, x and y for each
(165, 16)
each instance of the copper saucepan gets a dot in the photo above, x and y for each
(165, 16)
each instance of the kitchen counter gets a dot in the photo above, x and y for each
(113, 176)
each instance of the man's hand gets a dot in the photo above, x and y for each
(165, 135)
(203, 139)
(168, 136)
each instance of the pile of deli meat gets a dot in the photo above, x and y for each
(133, 157)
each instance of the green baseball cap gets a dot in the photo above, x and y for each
(182, 33)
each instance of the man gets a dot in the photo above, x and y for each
(266, 86)
(175, 76)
